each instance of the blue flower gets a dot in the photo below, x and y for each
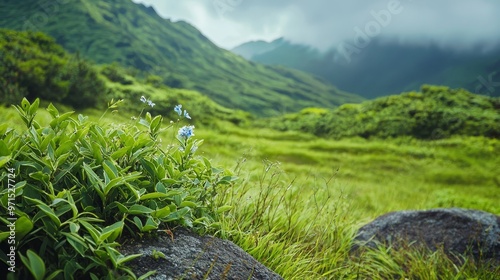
(186, 131)
(149, 102)
(178, 109)
(186, 115)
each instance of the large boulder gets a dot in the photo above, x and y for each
(456, 230)
(190, 256)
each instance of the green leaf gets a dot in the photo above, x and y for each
(120, 152)
(161, 213)
(64, 147)
(94, 180)
(94, 233)
(138, 223)
(46, 210)
(149, 166)
(113, 256)
(54, 274)
(146, 275)
(72, 204)
(25, 104)
(123, 259)
(111, 232)
(122, 208)
(64, 116)
(4, 160)
(137, 209)
(150, 225)
(34, 264)
(40, 176)
(4, 127)
(69, 269)
(227, 179)
(34, 107)
(177, 215)
(168, 182)
(97, 152)
(23, 227)
(77, 242)
(73, 227)
(155, 124)
(4, 235)
(50, 151)
(4, 150)
(160, 187)
(121, 180)
(154, 195)
(110, 169)
(190, 204)
(52, 110)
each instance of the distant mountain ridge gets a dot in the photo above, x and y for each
(383, 68)
(135, 35)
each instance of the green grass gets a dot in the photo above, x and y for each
(300, 217)
(300, 199)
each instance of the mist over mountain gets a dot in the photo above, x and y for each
(382, 67)
(325, 24)
(135, 35)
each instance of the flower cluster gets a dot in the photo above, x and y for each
(178, 110)
(147, 101)
(186, 131)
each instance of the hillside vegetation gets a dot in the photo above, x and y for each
(384, 67)
(433, 113)
(134, 35)
(33, 65)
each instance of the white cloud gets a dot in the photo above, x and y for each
(326, 23)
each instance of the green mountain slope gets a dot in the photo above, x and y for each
(386, 67)
(134, 35)
(434, 113)
(32, 65)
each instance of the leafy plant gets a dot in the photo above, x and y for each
(82, 186)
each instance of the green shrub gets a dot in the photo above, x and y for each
(86, 88)
(116, 74)
(77, 188)
(435, 113)
(32, 65)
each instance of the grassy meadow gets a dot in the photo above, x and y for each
(300, 199)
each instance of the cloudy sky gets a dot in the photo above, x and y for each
(328, 23)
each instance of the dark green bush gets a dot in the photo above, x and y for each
(32, 65)
(77, 188)
(86, 88)
(116, 74)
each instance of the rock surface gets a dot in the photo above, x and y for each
(190, 256)
(456, 230)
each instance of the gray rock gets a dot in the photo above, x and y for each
(457, 231)
(190, 256)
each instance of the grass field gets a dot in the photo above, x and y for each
(300, 199)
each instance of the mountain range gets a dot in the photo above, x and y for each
(385, 67)
(135, 35)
